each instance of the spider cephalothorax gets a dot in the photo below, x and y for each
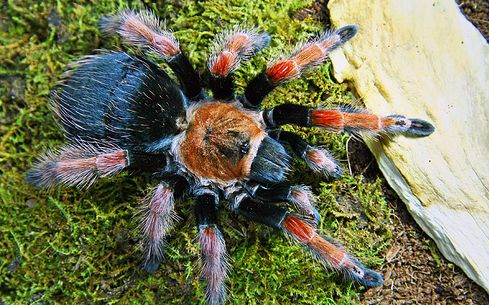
(220, 142)
(122, 112)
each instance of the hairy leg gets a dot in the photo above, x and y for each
(346, 119)
(329, 254)
(231, 49)
(213, 249)
(156, 217)
(81, 163)
(309, 55)
(145, 31)
(299, 197)
(77, 164)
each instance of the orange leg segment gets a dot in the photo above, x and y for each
(231, 50)
(346, 119)
(329, 254)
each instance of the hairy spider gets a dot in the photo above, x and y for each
(122, 112)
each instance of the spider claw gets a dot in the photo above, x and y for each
(419, 128)
(347, 32)
(262, 41)
(151, 265)
(337, 172)
(371, 279)
(359, 273)
(313, 219)
(317, 217)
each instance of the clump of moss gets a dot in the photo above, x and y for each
(71, 246)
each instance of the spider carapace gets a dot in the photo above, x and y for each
(122, 112)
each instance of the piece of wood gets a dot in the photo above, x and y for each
(423, 59)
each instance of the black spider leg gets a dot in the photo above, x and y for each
(187, 76)
(257, 89)
(318, 159)
(156, 217)
(222, 87)
(287, 114)
(325, 250)
(221, 84)
(145, 31)
(231, 49)
(146, 162)
(213, 248)
(299, 196)
(308, 55)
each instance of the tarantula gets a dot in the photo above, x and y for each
(122, 112)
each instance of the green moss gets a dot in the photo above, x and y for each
(70, 247)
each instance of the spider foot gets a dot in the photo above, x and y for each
(305, 201)
(143, 30)
(232, 49)
(419, 128)
(318, 159)
(356, 271)
(370, 278)
(408, 127)
(151, 265)
(298, 196)
(214, 263)
(347, 32)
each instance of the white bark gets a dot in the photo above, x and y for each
(423, 59)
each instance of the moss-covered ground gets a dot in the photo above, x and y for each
(69, 246)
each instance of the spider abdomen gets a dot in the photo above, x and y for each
(120, 98)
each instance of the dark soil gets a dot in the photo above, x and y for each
(415, 271)
(477, 11)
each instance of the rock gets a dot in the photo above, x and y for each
(423, 59)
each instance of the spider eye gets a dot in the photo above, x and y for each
(233, 146)
(244, 147)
